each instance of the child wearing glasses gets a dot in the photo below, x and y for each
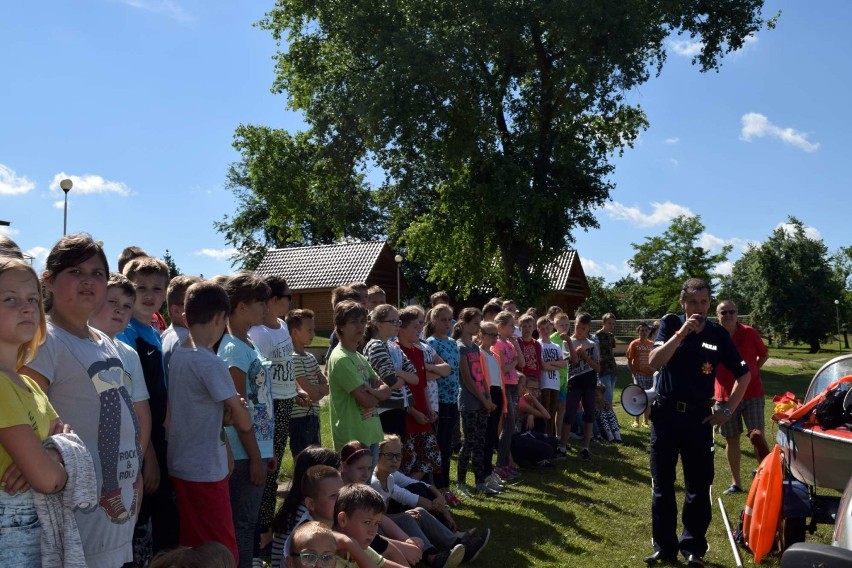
(443, 547)
(391, 365)
(313, 545)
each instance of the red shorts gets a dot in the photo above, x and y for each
(205, 513)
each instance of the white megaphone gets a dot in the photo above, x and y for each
(635, 400)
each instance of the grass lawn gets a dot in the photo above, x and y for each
(598, 514)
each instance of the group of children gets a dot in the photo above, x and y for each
(187, 425)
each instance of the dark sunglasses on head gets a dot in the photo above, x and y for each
(727, 312)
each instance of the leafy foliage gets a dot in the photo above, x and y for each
(666, 261)
(493, 123)
(792, 285)
(292, 193)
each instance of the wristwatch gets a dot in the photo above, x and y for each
(727, 412)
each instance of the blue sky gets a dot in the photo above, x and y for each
(137, 101)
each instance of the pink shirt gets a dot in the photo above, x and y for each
(505, 352)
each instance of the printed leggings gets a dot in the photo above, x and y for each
(474, 425)
(282, 410)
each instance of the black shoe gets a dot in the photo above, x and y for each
(660, 556)
(474, 545)
(693, 560)
(585, 455)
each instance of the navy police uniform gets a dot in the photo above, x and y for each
(685, 400)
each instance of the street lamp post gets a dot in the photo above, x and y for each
(837, 309)
(66, 186)
(398, 259)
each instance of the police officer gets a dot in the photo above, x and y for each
(687, 350)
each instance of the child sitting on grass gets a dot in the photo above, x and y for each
(397, 490)
(530, 447)
(357, 514)
(313, 545)
(293, 509)
(392, 542)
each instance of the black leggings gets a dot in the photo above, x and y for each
(448, 418)
(492, 434)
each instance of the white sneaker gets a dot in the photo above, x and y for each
(493, 484)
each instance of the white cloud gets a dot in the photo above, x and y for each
(685, 47)
(13, 184)
(756, 125)
(166, 8)
(90, 183)
(610, 271)
(8, 231)
(39, 255)
(692, 47)
(725, 268)
(714, 244)
(663, 213)
(711, 242)
(220, 254)
(673, 140)
(592, 268)
(60, 204)
(810, 232)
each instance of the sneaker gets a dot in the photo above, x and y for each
(585, 455)
(483, 489)
(635, 424)
(462, 490)
(474, 545)
(451, 499)
(493, 482)
(544, 463)
(449, 558)
(734, 488)
(561, 452)
(112, 504)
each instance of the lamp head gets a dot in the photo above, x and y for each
(398, 258)
(66, 185)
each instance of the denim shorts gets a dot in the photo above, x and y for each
(20, 531)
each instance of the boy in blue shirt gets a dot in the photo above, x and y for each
(253, 451)
(150, 276)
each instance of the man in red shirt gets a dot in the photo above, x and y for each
(754, 353)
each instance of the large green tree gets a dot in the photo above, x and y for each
(664, 262)
(492, 121)
(792, 284)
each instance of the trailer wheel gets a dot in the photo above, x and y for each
(792, 531)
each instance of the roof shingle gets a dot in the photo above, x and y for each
(322, 266)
